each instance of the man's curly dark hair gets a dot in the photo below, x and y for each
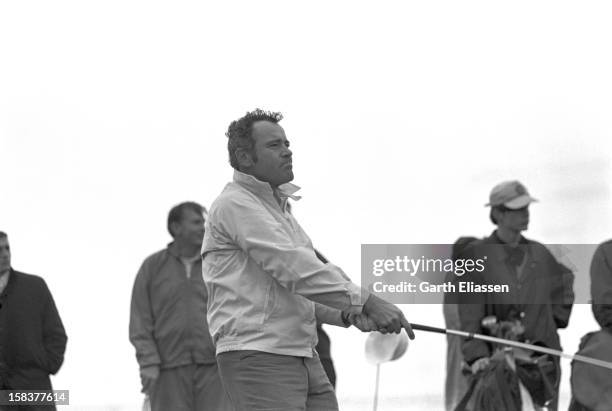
(239, 133)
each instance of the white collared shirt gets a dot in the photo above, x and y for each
(4, 281)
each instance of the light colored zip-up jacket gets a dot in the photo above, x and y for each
(168, 313)
(262, 273)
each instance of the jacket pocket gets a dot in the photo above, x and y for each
(41, 359)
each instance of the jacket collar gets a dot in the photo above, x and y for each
(494, 238)
(10, 281)
(265, 190)
(172, 249)
(506, 250)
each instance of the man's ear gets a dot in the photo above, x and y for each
(174, 227)
(245, 158)
(497, 215)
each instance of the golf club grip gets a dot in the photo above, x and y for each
(421, 327)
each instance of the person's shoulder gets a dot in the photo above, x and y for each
(462, 245)
(156, 257)
(604, 249)
(540, 250)
(536, 246)
(232, 196)
(29, 280)
(151, 265)
(471, 246)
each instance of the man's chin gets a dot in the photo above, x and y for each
(288, 179)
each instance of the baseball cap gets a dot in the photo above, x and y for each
(510, 194)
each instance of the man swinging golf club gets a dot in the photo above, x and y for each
(266, 285)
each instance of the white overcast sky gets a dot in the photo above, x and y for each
(401, 114)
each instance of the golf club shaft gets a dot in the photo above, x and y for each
(512, 343)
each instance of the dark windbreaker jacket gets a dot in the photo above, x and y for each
(168, 313)
(542, 295)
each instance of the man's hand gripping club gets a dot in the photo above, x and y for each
(387, 317)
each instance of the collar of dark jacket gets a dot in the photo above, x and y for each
(173, 249)
(504, 252)
(10, 281)
(494, 238)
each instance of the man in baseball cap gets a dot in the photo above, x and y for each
(541, 294)
(509, 202)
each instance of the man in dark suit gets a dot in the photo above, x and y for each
(32, 337)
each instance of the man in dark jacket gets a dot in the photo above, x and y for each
(601, 285)
(591, 385)
(324, 350)
(32, 337)
(540, 294)
(168, 324)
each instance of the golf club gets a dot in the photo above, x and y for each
(512, 343)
